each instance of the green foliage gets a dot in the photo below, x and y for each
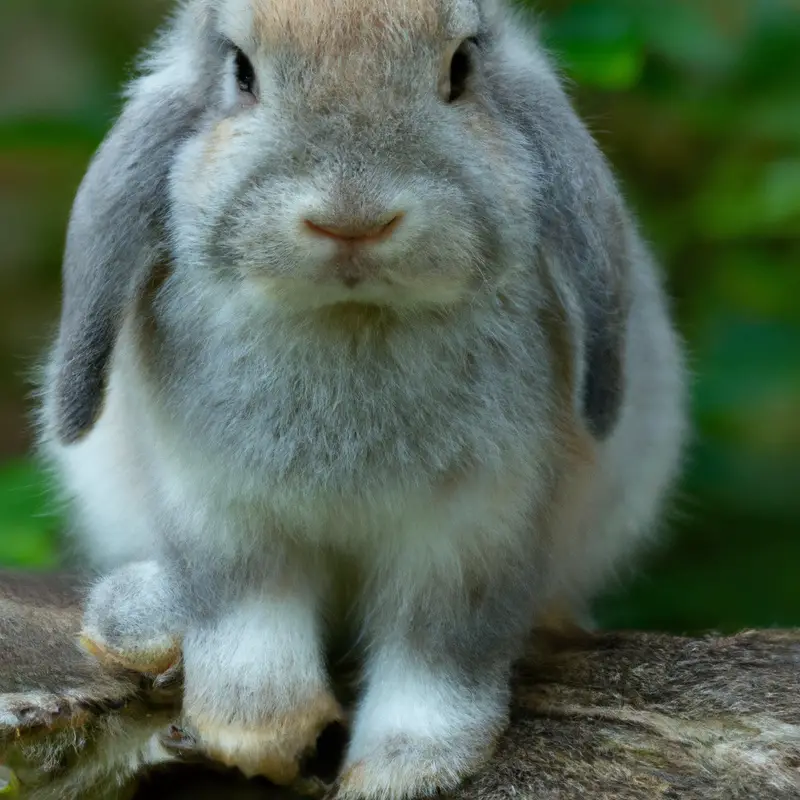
(27, 529)
(697, 104)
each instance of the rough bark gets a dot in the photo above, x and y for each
(611, 715)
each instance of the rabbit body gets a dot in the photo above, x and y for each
(294, 431)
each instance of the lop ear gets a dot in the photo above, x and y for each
(588, 247)
(115, 234)
(586, 254)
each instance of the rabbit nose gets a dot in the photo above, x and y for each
(356, 232)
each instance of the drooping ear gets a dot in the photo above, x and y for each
(588, 247)
(589, 273)
(115, 233)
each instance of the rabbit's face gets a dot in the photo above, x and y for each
(355, 151)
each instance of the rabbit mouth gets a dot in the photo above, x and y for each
(386, 291)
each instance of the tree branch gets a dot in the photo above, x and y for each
(613, 715)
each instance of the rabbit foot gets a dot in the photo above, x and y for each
(130, 620)
(276, 748)
(153, 657)
(403, 767)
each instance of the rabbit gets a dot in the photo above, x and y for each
(361, 352)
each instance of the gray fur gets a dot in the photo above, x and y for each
(115, 238)
(417, 463)
(133, 616)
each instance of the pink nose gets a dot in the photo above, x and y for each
(356, 233)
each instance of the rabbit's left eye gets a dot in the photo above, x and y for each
(245, 74)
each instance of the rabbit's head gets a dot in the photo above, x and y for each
(352, 151)
(409, 153)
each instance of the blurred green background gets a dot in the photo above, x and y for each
(697, 104)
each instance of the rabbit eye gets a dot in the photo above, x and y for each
(245, 74)
(460, 70)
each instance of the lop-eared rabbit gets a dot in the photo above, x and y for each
(361, 352)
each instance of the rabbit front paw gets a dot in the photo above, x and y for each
(402, 767)
(131, 620)
(256, 693)
(274, 747)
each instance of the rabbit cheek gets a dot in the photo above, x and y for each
(491, 139)
(507, 168)
(195, 175)
(203, 184)
(209, 167)
(216, 143)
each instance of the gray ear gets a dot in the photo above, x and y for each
(588, 245)
(114, 239)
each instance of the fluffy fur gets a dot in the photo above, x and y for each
(415, 447)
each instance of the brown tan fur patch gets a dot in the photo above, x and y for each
(219, 138)
(274, 749)
(342, 25)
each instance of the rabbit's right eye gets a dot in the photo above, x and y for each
(459, 71)
(245, 74)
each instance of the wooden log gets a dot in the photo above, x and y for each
(607, 715)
